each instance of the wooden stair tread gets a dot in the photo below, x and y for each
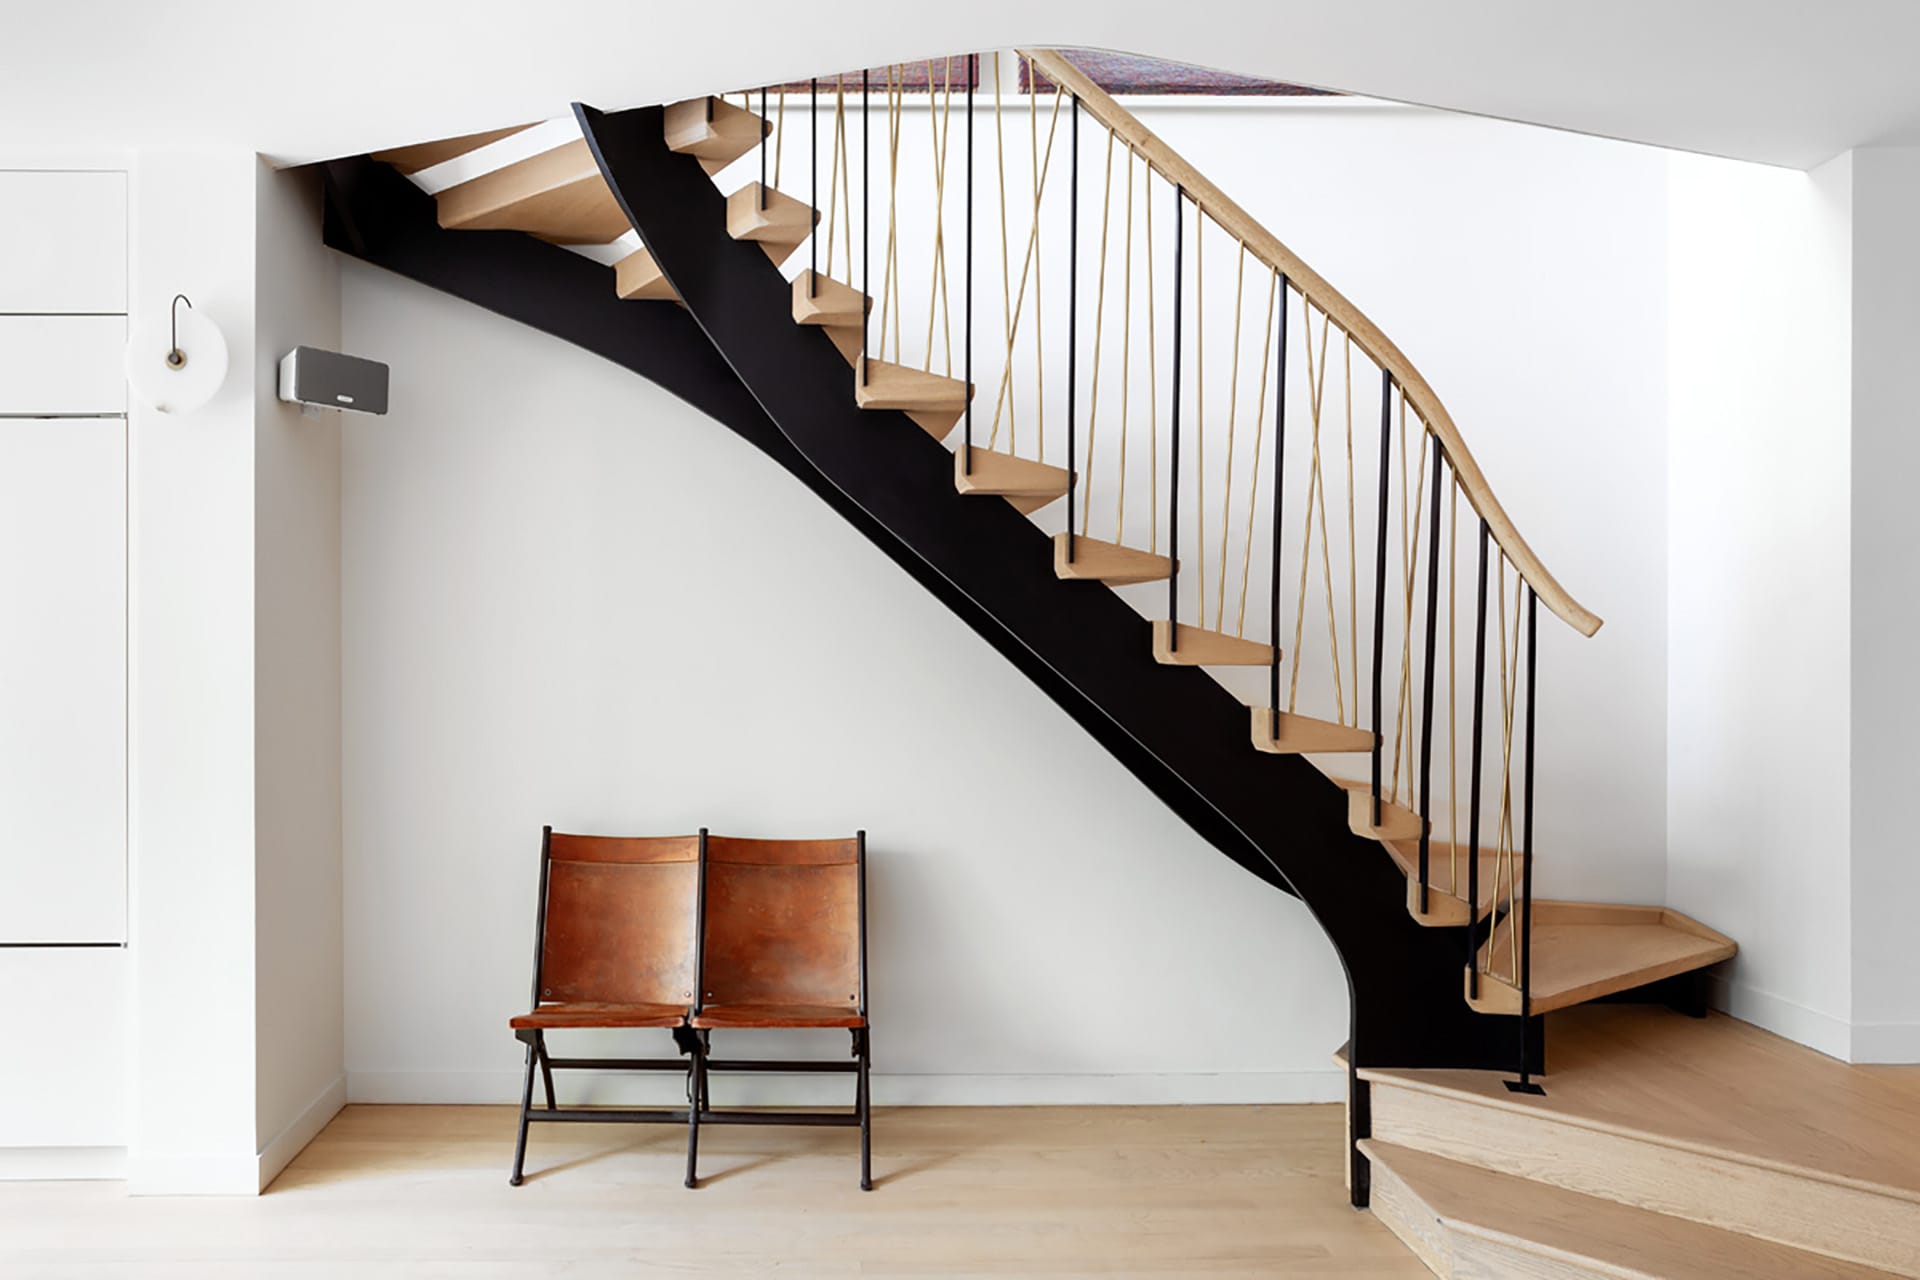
(1199, 647)
(898, 386)
(827, 302)
(1027, 484)
(1582, 951)
(1108, 562)
(425, 155)
(779, 228)
(638, 277)
(1455, 1207)
(1304, 735)
(1397, 822)
(1446, 899)
(731, 133)
(557, 195)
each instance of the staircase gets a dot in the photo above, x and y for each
(618, 238)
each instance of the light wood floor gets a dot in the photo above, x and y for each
(1054, 1191)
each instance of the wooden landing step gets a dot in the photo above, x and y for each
(933, 401)
(1585, 950)
(557, 195)
(425, 155)
(638, 277)
(1462, 1221)
(714, 131)
(1709, 1119)
(1304, 735)
(1108, 562)
(1199, 647)
(1446, 895)
(1027, 484)
(779, 224)
(1397, 822)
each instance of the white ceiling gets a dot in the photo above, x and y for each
(1790, 82)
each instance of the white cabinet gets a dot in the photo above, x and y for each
(63, 242)
(63, 364)
(64, 1083)
(63, 680)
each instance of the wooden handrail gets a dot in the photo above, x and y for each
(1264, 245)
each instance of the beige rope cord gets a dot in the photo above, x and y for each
(1199, 409)
(1006, 276)
(1503, 828)
(836, 169)
(1233, 413)
(1126, 357)
(1033, 244)
(1099, 324)
(1353, 545)
(779, 136)
(1017, 304)
(937, 289)
(1153, 380)
(1410, 532)
(1316, 487)
(1453, 667)
(1259, 434)
(890, 273)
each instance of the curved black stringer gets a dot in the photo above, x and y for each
(734, 353)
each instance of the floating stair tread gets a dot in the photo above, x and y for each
(425, 155)
(1440, 857)
(1715, 1086)
(1108, 562)
(717, 142)
(1397, 822)
(638, 277)
(898, 386)
(1304, 735)
(557, 195)
(1462, 1205)
(1200, 647)
(1028, 484)
(1582, 951)
(784, 220)
(828, 302)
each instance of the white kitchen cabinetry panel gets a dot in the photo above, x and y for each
(63, 680)
(63, 241)
(63, 364)
(64, 1083)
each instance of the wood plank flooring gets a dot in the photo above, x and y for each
(1057, 1191)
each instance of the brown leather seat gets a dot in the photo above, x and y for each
(599, 1013)
(738, 1016)
(783, 943)
(617, 925)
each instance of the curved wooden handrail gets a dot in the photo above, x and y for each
(1263, 244)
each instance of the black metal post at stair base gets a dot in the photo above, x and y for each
(1380, 583)
(763, 147)
(1173, 461)
(1073, 311)
(966, 444)
(866, 219)
(1526, 1083)
(1426, 697)
(1279, 510)
(1473, 787)
(813, 196)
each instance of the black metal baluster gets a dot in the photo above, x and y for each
(1073, 311)
(1173, 487)
(813, 198)
(763, 148)
(1426, 701)
(1525, 1083)
(1473, 788)
(866, 219)
(1380, 582)
(973, 78)
(1279, 508)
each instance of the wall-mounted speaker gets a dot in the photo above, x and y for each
(331, 380)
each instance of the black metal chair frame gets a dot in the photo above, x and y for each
(535, 1040)
(862, 1050)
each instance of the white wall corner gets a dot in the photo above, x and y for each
(278, 1151)
(1822, 1031)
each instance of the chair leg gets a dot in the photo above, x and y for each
(866, 1112)
(526, 1104)
(706, 1051)
(696, 1100)
(546, 1069)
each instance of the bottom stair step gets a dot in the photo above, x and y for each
(1465, 1221)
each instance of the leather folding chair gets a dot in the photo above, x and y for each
(613, 947)
(783, 943)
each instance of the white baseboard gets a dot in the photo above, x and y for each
(1830, 1035)
(279, 1152)
(193, 1174)
(579, 1088)
(62, 1164)
(1886, 1042)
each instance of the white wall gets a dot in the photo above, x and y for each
(1885, 590)
(568, 599)
(1759, 749)
(298, 1005)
